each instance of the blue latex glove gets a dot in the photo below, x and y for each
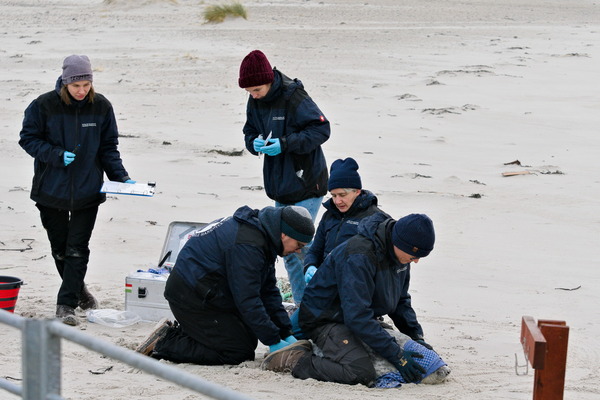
(291, 339)
(310, 272)
(129, 181)
(68, 157)
(258, 143)
(424, 344)
(273, 147)
(278, 346)
(409, 368)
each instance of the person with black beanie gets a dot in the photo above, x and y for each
(366, 277)
(348, 205)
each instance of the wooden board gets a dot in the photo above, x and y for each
(534, 343)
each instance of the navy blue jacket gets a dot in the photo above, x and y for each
(360, 281)
(229, 266)
(299, 172)
(336, 227)
(87, 128)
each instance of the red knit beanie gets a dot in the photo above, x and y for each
(255, 70)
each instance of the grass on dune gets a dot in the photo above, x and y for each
(217, 14)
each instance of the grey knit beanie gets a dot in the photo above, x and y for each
(297, 223)
(77, 68)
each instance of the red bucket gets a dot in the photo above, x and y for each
(9, 291)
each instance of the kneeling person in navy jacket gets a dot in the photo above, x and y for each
(223, 290)
(360, 280)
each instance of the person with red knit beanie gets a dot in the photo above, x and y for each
(285, 125)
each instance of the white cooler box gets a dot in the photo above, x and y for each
(144, 291)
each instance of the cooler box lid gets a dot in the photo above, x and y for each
(178, 234)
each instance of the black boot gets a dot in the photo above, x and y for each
(86, 300)
(67, 315)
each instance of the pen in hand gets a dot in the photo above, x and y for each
(69, 156)
(268, 138)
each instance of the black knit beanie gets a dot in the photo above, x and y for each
(344, 175)
(297, 223)
(414, 235)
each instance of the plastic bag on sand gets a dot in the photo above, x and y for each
(113, 318)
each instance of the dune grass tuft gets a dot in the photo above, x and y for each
(217, 14)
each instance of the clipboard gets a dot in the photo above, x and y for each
(133, 189)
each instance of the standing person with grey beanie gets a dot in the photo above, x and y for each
(284, 124)
(364, 278)
(71, 132)
(223, 290)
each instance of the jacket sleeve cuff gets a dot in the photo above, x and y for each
(284, 144)
(283, 333)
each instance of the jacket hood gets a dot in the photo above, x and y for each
(247, 215)
(282, 85)
(270, 218)
(378, 229)
(59, 84)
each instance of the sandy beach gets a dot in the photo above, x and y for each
(435, 100)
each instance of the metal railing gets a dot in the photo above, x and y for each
(41, 355)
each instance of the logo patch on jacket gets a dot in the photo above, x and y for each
(88, 124)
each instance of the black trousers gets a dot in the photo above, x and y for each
(69, 233)
(205, 336)
(344, 360)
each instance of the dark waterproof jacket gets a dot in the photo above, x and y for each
(299, 172)
(360, 281)
(229, 266)
(89, 129)
(336, 227)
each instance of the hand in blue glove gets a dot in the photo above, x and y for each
(129, 181)
(409, 368)
(278, 346)
(310, 272)
(424, 344)
(291, 339)
(68, 157)
(258, 143)
(273, 147)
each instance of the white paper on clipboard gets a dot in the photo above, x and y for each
(134, 189)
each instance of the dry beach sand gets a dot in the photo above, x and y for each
(431, 97)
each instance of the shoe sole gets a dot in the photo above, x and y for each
(70, 320)
(300, 343)
(158, 331)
